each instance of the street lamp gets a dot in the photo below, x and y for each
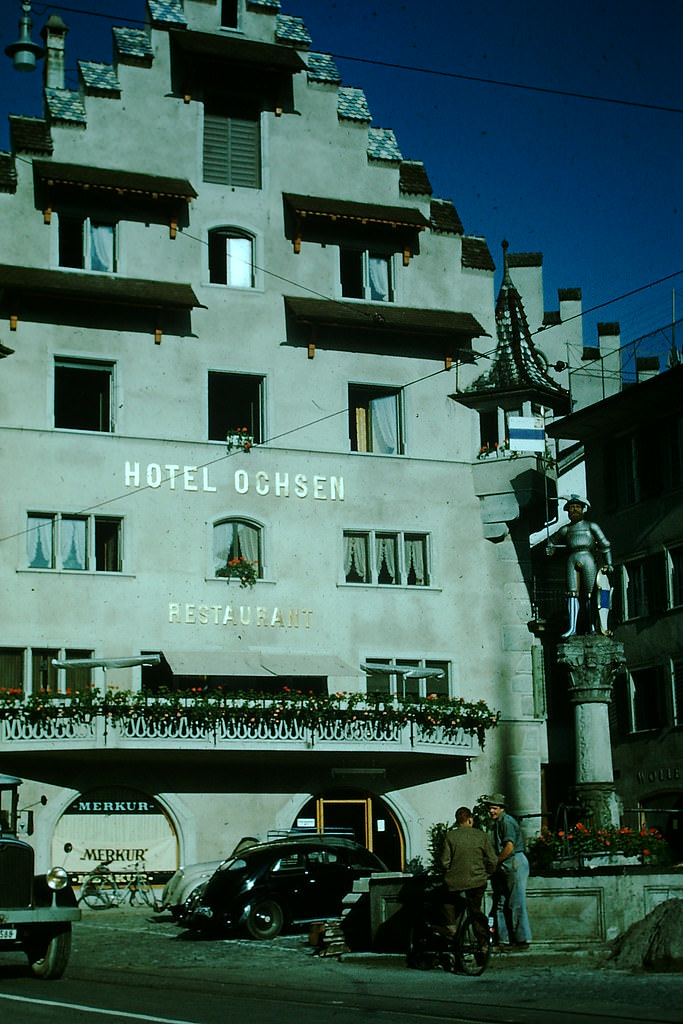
(25, 52)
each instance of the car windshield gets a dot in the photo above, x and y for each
(234, 864)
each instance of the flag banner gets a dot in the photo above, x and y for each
(526, 433)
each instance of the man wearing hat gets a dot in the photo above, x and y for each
(510, 880)
(589, 553)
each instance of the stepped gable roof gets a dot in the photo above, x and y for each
(167, 12)
(321, 68)
(65, 105)
(475, 254)
(516, 366)
(352, 105)
(382, 145)
(413, 178)
(291, 30)
(99, 77)
(444, 217)
(133, 45)
(30, 134)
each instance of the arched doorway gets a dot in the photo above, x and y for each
(120, 825)
(361, 816)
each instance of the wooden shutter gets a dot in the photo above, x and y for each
(216, 149)
(245, 162)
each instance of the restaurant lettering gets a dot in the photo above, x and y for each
(239, 615)
(197, 478)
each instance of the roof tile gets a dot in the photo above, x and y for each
(291, 30)
(168, 12)
(132, 44)
(475, 254)
(444, 217)
(382, 145)
(30, 134)
(65, 105)
(352, 105)
(413, 178)
(321, 68)
(99, 77)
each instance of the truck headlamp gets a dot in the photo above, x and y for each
(57, 878)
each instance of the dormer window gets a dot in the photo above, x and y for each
(87, 244)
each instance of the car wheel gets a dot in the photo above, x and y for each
(48, 957)
(265, 920)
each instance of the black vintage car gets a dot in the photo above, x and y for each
(36, 911)
(280, 884)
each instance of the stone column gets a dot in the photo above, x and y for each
(593, 661)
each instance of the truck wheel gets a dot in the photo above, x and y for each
(49, 955)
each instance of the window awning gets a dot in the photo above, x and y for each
(320, 219)
(245, 52)
(256, 663)
(364, 213)
(106, 180)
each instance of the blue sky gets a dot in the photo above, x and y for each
(595, 186)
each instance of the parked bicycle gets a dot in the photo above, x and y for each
(431, 945)
(101, 888)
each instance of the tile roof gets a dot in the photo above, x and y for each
(168, 12)
(65, 105)
(133, 44)
(413, 178)
(99, 77)
(382, 145)
(272, 5)
(475, 254)
(321, 68)
(352, 105)
(291, 30)
(30, 134)
(8, 173)
(444, 217)
(516, 366)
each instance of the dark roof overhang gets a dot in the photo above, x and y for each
(119, 183)
(649, 400)
(512, 398)
(245, 52)
(383, 327)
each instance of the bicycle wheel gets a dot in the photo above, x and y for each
(472, 946)
(98, 892)
(142, 891)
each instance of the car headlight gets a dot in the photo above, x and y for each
(57, 878)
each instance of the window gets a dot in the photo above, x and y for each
(677, 680)
(395, 559)
(235, 400)
(402, 681)
(87, 244)
(83, 395)
(232, 149)
(42, 674)
(81, 543)
(648, 698)
(375, 421)
(675, 556)
(236, 538)
(365, 275)
(229, 10)
(644, 582)
(231, 258)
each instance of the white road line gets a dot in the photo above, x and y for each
(95, 1009)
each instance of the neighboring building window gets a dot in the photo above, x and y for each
(366, 275)
(675, 556)
(384, 681)
(229, 11)
(375, 421)
(648, 698)
(232, 148)
(11, 668)
(82, 543)
(236, 538)
(87, 244)
(644, 582)
(672, 452)
(392, 558)
(83, 395)
(677, 680)
(231, 258)
(235, 400)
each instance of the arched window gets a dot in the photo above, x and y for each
(231, 258)
(236, 538)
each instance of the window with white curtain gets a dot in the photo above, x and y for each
(236, 538)
(80, 543)
(231, 258)
(375, 419)
(31, 670)
(366, 275)
(390, 558)
(87, 244)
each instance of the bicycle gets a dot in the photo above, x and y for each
(431, 944)
(101, 890)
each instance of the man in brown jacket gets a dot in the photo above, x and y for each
(468, 859)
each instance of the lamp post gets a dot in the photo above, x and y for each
(25, 52)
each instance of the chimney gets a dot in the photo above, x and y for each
(54, 33)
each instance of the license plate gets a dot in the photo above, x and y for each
(8, 933)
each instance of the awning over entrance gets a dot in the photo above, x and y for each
(256, 663)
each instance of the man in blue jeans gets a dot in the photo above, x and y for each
(510, 879)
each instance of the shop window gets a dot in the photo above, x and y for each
(83, 395)
(235, 400)
(232, 147)
(389, 558)
(81, 543)
(375, 420)
(87, 244)
(366, 275)
(394, 676)
(231, 258)
(236, 538)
